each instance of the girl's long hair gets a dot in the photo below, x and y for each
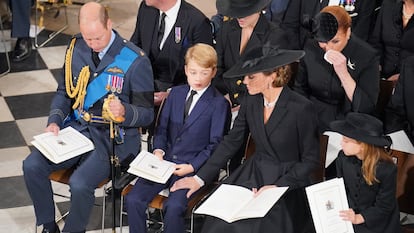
(371, 156)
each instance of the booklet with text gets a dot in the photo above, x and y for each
(232, 202)
(150, 167)
(67, 144)
(325, 200)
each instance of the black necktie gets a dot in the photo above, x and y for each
(95, 58)
(188, 103)
(161, 29)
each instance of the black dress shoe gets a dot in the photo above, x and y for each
(22, 50)
(47, 230)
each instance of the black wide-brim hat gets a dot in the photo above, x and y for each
(362, 127)
(265, 58)
(240, 8)
(324, 27)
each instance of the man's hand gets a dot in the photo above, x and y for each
(186, 183)
(54, 128)
(117, 108)
(159, 153)
(159, 97)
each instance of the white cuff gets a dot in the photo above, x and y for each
(199, 180)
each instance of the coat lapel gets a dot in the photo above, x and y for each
(201, 105)
(275, 118)
(234, 41)
(279, 111)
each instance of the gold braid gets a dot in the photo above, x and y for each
(78, 91)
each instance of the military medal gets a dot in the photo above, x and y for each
(113, 85)
(119, 84)
(177, 34)
(108, 83)
(350, 5)
(115, 80)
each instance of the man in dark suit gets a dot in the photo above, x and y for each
(21, 28)
(111, 67)
(192, 123)
(184, 26)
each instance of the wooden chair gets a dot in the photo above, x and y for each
(319, 174)
(44, 5)
(62, 176)
(405, 185)
(385, 93)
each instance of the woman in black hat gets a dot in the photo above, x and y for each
(283, 127)
(247, 28)
(369, 174)
(339, 72)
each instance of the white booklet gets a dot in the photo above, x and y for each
(326, 199)
(232, 202)
(401, 142)
(150, 167)
(67, 144)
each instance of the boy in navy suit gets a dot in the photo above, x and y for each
(191, 125)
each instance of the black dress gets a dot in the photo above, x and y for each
(287, 151)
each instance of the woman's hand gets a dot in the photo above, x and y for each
(257, 192)
(186, 183)
(349, 215)
(183, 169)
(341, 65)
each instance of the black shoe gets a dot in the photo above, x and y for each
(22, 50)
(47, 230)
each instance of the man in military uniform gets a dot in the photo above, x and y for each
(118, 81)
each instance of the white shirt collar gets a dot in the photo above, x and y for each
(103, 52)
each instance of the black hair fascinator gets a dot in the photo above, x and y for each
(324, 27)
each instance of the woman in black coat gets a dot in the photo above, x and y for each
(393, 36)
(246, 29)
(369, 174)
(283, 127)
(339, 72)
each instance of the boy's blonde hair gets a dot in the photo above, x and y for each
(203, 54)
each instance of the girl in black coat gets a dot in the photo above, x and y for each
(369, 174)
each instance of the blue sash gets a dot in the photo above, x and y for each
(97, 88)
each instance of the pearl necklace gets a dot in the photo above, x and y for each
(269, 104)
(405, 15)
